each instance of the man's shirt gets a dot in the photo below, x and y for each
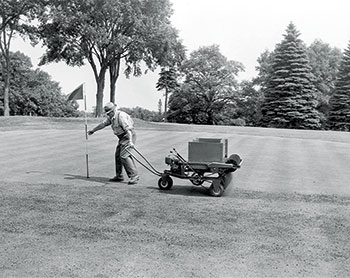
(120, 123)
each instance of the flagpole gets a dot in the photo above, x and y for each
(86, 134)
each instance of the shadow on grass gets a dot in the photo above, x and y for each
(268, 196)
(183, 190)
(84, 178)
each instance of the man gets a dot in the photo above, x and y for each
(123, 127)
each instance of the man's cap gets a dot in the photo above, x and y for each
(109, 106)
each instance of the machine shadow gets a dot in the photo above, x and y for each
(183, 190)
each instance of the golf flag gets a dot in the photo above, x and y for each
(78, 93)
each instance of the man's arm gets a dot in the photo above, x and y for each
(96, 128)
(129, 134)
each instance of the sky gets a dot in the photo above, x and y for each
(243, 30)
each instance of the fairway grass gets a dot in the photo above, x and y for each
(287, 213)
(118, 231)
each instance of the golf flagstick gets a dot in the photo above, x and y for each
(86, 133)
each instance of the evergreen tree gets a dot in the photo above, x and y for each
(290, 100)
(339, 115)
(167, 81)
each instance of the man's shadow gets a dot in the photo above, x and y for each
(183, 190)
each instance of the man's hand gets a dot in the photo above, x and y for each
(131, 144)
(90, 132)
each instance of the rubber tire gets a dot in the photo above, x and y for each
(234, 159)
(167, 185)
(217, 193)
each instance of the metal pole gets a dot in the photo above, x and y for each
(86, 134)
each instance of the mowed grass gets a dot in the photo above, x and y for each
(285, 214)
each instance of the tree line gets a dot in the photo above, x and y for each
(296, 86)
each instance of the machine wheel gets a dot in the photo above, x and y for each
(216, 189)
(197, 182)
(196, 179)
(234, 159)
(165, 184)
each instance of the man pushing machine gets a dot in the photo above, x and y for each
(123, 127)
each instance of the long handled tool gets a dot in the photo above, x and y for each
(147, 165)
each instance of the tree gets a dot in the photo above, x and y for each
(210, 79)
(186, 107)
(73, 31)
(105, 32)
(248, 103)
(264, 69)
(290, 100)
(148, 39)
(15, 17)
(324, 61)
(18, 75)
(32, 92)
(167, 81)
(339, 115)
(47, 97)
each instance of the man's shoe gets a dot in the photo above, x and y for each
(116, 179)
(134, 180)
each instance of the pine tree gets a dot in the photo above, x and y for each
(167, 81)
(339, 114)
(290, 99)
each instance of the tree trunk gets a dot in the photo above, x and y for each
(7, 85)
(113, 77)
(166, 103)
(6, 94)
(99, 95)
(6, 64)
(210, 120)
(100, 82)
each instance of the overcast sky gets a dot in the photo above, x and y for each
(243, 29)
